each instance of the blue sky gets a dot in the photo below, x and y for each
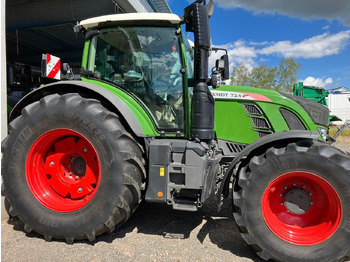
(314, 32)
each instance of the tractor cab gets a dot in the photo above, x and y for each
(146, 61)
(147, 57)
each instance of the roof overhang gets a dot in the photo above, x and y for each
(34, 27)
(131, 17)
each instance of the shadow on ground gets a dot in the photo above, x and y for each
(162, 220)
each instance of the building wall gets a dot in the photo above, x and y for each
(339, 105)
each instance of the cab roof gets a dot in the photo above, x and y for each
(130, 17)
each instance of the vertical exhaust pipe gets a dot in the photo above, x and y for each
(202, 108)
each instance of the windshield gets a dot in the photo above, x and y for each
(144, 61)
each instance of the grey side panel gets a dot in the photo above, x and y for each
(184, 173)
(231, 148)
(77, 86)
(160, 158)
(293, 135)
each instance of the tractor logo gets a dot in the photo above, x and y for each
(237, 95)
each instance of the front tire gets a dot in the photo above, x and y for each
(70, 169)
(292, 202)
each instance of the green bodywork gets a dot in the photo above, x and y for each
(234, 123)
(140, 114)
(232, 120)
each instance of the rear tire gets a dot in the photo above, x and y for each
(70, 169)
(292, 202)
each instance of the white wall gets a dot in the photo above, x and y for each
(339, 105)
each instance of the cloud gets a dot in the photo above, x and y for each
(318, 82)
(317, 9)
(314, 47)
(250, 53)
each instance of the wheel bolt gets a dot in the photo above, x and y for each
(311, 203)
(77, 177)
(282, 203)
(303, 186)
(281, 194)
(80, 189)
(310, 194)
(285, 187)
(85, 150)
(294, 184)
(52, 163)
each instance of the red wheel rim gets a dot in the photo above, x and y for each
(301, 208)
(63, 170)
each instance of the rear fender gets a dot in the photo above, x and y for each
(248, 152)
(92, 91)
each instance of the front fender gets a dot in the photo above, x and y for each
(138, 121)
(248, 152)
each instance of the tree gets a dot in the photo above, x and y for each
(286, 74)
(240, 75)
(264, 77)
(281, 78)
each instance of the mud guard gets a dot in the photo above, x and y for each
(83, 87)
(292, 135)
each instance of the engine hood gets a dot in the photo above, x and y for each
(245, 114)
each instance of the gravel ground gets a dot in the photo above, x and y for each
(343, 143)
(153, 233)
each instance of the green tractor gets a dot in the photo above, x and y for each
(142, 124)
(316, 94)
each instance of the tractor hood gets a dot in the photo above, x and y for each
(259, 112)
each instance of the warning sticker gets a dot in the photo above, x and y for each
(161, 171)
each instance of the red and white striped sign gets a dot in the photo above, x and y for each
(53, 67)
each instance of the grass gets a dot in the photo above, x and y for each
(333, 130)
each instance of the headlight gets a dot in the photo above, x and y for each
(323, 133)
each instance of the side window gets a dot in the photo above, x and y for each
(189, 57)
(144, 61)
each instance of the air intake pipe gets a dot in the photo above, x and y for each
(202, 118)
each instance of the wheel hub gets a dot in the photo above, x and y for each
(79, 166)
(297, 201)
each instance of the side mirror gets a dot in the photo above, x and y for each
(220, 72)
(225, 71)
(222, 66)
